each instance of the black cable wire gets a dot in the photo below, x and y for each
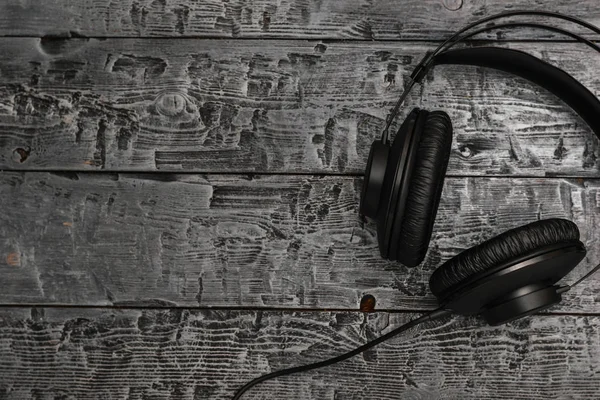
(426, 63)
(529, 25)
(422, 68)
(566, 288)
(592, 272)
(436, 314)
(506, 14)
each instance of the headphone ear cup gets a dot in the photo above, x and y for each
(373, 182)
(499, 249)
(391, 193)
(412, 233)
(504, 270)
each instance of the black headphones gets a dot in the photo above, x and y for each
(506, 277)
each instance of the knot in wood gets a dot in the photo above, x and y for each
(20, 154)
(13, 259)
(367, 303)
(170, 104)
(465, 151)
(453, 5)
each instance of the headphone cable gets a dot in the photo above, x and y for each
(422, 69)
(416, 76)
(433, 315)
(424, 65)
(456, 36)
(566, 288)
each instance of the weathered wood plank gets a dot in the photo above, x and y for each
(344, 19)
(133, 354)
(289, 106)
(254, 241)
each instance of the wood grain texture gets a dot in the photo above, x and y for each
(151, 244)
(341, 19)
(133, 354)
(265, 241)
(289, 106)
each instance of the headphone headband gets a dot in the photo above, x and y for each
(526, 66)
(507, 277)
(428, 61)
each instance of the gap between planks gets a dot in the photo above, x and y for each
(257, 309)
(325, 39)
(277, 173)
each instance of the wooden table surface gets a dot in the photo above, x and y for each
(179, 188)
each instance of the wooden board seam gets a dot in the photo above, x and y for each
(257, 309)
(323, 39)
(141, 173)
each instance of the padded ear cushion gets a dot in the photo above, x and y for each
(511, 244)
(393, 175)
(425, 190)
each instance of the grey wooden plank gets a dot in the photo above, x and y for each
(263, 241)
(277, 106)
(183, 354)
(342, 19)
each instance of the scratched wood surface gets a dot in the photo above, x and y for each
(154, 165)
(263, 241)
(290, 106)
(335, 19)
(183, 354)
